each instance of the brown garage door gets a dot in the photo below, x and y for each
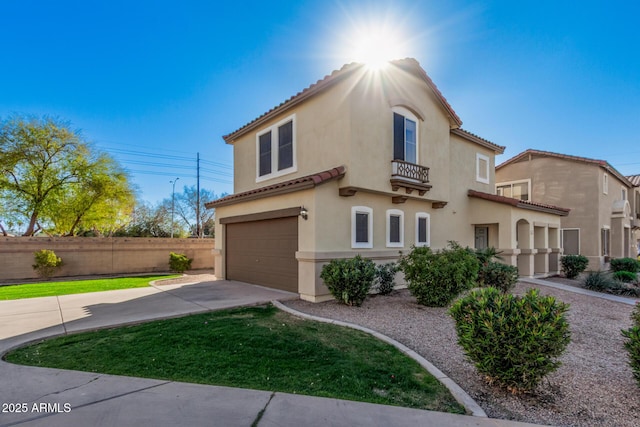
(263, 252)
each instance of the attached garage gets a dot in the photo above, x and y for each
(263, 252)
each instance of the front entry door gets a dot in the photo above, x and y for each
(482, 237)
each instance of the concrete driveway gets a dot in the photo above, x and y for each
(31, 396)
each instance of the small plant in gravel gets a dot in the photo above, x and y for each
(385, 276)
(573, 265)
(632, 345)
(602, 281)
(46, 263)
(436, 278)
(625, 276)
(349, 280)
(498, 275)
(513, 341)
(625, 264)
(179, 262)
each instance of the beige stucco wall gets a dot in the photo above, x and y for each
(95, 256)
(352, 125)
(578, 186)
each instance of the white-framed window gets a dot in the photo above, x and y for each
(520, 190)
(605, 184)
(605, 240)
(405, 135)
(423, 229)
(361, 227)
(623, 193)
(395, 228)
(276, 150)
(571, 241)
(482, 168)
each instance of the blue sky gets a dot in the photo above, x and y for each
(155, 82)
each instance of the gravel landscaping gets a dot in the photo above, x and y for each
(594, 386)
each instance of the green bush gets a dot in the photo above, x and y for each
(632, 345)
(436, 278)
(179, 262)
(573, 265)
(487, 255)
(513, 341)
(46, 263)
(385, 275)
(601, 281)
(349, 280)
(625, 276)
(625, 264)
(498, 275)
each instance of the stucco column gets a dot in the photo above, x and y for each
(526, 264)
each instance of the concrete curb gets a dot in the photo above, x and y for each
(458, 393)
(614, 298)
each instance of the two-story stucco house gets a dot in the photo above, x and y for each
(634, 201)
(603, 202)
(367, 162)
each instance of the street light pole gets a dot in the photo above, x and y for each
(173, 203)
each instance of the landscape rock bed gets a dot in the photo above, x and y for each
(594, 386)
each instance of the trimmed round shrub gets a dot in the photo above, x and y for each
(349, 280)
(625, 276)
(513, 341)
(632, 345)
(179, 262)
(385, 275)
(625, 264)
(46, 263)
(498, 275)
(436, 278)
(573, 265)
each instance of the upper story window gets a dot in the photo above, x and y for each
(515, 189)
(623, 193)
(361, 227)
(605, 184)
(276, 150)
(482, 168)
(395, 228)
(405, 135)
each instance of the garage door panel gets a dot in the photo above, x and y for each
(263, 252)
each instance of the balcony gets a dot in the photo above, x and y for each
(410, 177)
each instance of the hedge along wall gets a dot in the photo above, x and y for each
(88, 255)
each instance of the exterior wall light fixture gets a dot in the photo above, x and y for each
(304, 213)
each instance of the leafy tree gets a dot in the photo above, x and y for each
(186, 208)
(150, 221)
(52, 179)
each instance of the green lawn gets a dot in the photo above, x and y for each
(48, 289)
(259, 348)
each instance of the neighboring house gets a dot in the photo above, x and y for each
(367, 162)
(634, 200)
(605, 206)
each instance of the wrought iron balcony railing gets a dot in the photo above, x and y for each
(409, 176)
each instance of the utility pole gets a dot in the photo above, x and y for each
(198, 198)
(173, 203)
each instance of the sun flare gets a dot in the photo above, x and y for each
(375, 45)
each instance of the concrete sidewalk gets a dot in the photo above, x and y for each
(32, 396)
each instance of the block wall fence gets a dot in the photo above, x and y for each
(100, 256)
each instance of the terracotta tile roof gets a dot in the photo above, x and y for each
(478, 140)
(520, 203)
(290, 186)
(539, 153)
(408, 64)
(634, 179)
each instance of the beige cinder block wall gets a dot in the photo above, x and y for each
(89, 256)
